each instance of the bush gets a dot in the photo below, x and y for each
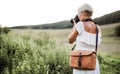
(3, 56)
(109, 64)
(3, 63)
(35, 56)
(117, 30)
(42, 55)
(4, 30)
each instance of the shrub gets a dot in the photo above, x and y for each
(117, 30)
(35, 56)
(3, 63)
(42, 55)
(3, 56)
(4, 30)
(109, 64)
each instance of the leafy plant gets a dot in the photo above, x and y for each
(40, 54)
(4, 30)
(109, 64)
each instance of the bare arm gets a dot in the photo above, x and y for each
(72, 35)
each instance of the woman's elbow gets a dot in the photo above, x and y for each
(70, 40)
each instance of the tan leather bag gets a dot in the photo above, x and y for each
(83, 59)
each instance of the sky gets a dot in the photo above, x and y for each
(33, 12)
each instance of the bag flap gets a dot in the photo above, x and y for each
(83, 52)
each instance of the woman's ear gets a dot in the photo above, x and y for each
(84, 14)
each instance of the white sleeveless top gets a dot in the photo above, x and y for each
(86, 40)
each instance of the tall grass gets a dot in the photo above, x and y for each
(44, 52)
(34, 55)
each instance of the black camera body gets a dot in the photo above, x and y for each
(76, 19)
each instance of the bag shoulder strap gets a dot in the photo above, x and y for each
(96, 38)
(73, 47)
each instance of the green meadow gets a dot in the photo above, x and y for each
(46, 51)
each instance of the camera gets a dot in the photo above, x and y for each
(76, 19)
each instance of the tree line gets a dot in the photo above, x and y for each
(108, 18)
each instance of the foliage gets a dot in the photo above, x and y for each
(56, 25)
(108, 18)
(3, 63)
(41, 54)
(109, 64)
(117, 30)
(3, 57)
(4, 30)
(34, 56)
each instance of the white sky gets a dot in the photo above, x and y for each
(32, 12)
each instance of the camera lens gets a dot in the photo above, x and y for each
(76, 19)
(71, 21)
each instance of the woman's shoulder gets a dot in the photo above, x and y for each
(79, 25)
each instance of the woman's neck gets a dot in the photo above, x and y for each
(84, 18)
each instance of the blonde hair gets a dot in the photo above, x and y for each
(86, 8)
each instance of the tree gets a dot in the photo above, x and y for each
(117, 30)
(4, 30)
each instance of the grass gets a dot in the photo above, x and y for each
(47, 51)
(108, 33)
(110, 43)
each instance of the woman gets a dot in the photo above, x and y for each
(84, 34)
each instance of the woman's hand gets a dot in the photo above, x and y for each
(74, 22)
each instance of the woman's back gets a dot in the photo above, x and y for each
(90, 27)
(86, 35)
